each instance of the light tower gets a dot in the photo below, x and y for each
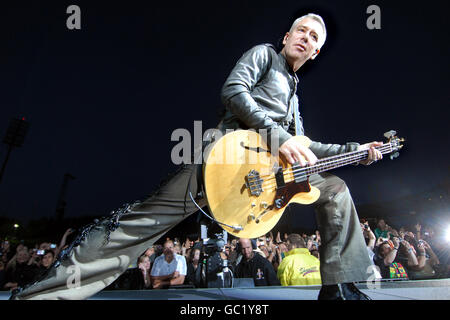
(15, 135)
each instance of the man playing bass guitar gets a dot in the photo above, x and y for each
(258, 94)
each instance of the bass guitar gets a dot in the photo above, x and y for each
(247, 188)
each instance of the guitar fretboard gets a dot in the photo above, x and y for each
(337, 161)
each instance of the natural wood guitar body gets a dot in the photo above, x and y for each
(229, 196)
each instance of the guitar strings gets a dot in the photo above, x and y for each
(272, 185)
(332, 159)
(322, 164)
(348, 160)
(337, 159)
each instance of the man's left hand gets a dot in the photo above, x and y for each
(374, 154)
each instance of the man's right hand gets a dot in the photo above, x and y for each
(294, 151)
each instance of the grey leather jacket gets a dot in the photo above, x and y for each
(260, 93)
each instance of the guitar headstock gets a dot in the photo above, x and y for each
(394, 141)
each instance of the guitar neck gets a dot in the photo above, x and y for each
(340, 160)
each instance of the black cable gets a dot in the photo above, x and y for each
(196, 204)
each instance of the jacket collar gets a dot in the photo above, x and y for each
(287, 66)
(298, 251)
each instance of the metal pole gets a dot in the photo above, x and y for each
(6, 161)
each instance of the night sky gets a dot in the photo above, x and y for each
(103, 101)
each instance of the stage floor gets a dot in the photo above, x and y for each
(386, 290)
(390, 290)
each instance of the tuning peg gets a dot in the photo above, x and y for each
(390, 134)
(394, 155)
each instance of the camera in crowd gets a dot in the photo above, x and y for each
(214, 245)
(213, 271)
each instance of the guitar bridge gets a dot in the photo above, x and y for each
(254, 183)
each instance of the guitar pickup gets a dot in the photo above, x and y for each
(279, 178)
(254, 183)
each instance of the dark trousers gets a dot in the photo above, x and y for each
(343, 252)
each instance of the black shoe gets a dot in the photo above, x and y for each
(14, 294)
(331, 292)
(351, 292)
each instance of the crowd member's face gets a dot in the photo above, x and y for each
(168, 246)
(5, 245)
(381, 224)
(385, 249)
(301, 43)
(264, 250)
(146, 263)
(196, 254)
(22, 256)
(283, 247)
(47, 260)
(246, 248)
(149, 252)
(168, 250)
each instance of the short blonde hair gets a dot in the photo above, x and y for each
(318, 19)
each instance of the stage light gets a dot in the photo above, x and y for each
(16, 226)
(447, 234)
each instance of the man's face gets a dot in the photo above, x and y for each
(169, 246)
(246, 248)
(302, 42)
(168, 251)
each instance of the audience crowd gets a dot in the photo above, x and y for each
(292, 259)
